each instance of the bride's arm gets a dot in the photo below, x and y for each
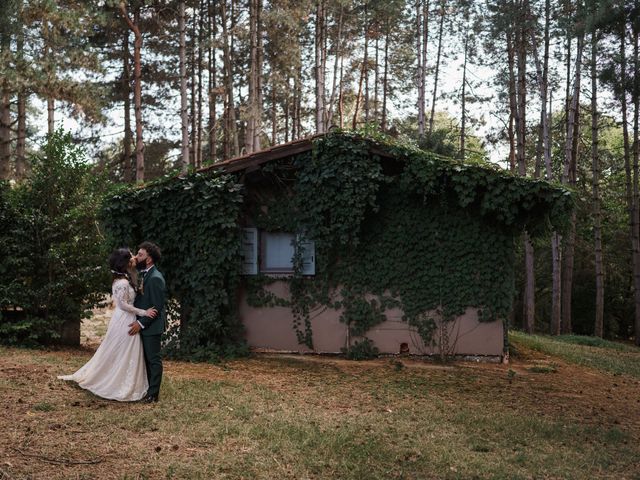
(121, 297)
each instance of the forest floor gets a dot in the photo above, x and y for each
(287, 416)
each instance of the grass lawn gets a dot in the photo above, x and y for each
(612, 357)
(545, 415)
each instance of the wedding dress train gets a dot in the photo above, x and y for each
(117, 370)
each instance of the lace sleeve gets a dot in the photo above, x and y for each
(122, 298)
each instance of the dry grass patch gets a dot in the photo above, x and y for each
(307, 417)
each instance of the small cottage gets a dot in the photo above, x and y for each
(338, 243)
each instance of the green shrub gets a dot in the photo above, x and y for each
(54, 250)
(361, 350)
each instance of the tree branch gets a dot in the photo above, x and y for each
(132, 26)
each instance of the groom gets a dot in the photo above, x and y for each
(152, 296)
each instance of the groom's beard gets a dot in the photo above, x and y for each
(141, 265)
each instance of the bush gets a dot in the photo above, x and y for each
(54, 250)
(361, 350)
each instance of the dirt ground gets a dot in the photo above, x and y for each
(579, 394)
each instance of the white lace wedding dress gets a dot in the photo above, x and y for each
(117, 370)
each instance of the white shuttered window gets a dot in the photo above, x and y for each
(276, 252)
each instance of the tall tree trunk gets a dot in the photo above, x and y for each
(385, 80)
(569, 175)
(520, 122)
(5, 115)
(21, 158)
(320, 59)
(48, 54)
(231, 148)
(437, 71)
(213, 89)
(259, 87)
(365, 64)
(636, 159)
(542, 75)
(193, 116)
(296, 120)
(252, 137)
(274, 116)
(137, 91)
(376, 76)
(338, 57)
(299, 98)
(286, 113)
(521, 92)
(22, 109)
(597, 234)
(513, 103)
(126, 93)
(463, 100)
(544, 143)
(363, 71)
(422, 36)
(630, 177)
(425, 41)
(253, 72)
(341, 93)
(184, 112)
(567, 86)
(419, 70)
(5, 133)
(294, 108)
(556, 238)
(252, 81)
(51, 109)
(198, 139)
(356, 110)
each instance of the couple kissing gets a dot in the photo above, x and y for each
(127, 365)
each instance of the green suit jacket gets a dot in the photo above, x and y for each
(154, 295)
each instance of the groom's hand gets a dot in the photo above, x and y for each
(134, 328)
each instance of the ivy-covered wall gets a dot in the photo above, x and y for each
(418, 232)
(194, 221)
(423, 233)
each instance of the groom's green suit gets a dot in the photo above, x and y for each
(153, 296)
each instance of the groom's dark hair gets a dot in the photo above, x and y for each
(152, 249)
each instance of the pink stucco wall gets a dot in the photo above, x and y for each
(272, 328)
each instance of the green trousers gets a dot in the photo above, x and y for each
(153, 362)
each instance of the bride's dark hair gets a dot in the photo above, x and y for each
(119, 265)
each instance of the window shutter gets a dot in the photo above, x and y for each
(250, 251)
(308, 248)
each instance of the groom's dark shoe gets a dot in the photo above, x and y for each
(150, 399)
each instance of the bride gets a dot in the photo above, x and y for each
(117, 369)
